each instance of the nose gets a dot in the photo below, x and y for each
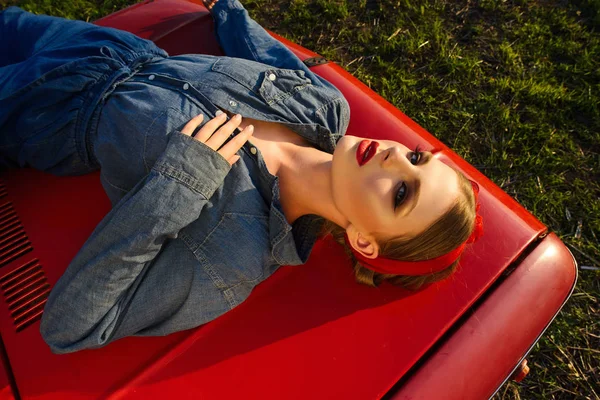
(396, 161)
(394, 158)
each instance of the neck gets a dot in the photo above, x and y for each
(305, 184)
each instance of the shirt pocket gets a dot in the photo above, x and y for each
(270, 84)
(237, 250)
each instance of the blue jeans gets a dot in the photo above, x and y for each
(53, 73)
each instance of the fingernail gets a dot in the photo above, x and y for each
(250, 128)
(219, 112)
(237, 116)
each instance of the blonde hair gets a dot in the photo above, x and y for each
(445, 234)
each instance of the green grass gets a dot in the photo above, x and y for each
(85, 10)
(513, 87)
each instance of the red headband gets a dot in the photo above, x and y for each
(425, 267)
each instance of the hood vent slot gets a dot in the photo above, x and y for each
(26, 288)
(13, 239)
(25, 291)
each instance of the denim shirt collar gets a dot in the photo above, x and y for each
(291, 244)
(318, 135)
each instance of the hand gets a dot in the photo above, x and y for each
(209, 4)
(214, 138)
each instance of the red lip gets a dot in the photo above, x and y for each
(363, 146)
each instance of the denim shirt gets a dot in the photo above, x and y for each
(189, 236)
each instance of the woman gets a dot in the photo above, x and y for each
(207, 204)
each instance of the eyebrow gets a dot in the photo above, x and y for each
(427, 156)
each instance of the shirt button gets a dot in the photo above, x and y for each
(272, 77)
(232, 103)
(151, 77)
(186, 86)
(253, 150)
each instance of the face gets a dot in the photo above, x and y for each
(397, 192)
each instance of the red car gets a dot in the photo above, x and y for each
(306, 332)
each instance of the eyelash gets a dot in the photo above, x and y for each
(419, 154)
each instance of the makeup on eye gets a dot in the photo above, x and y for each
(402, 191)
(400, 195)
(418, 153)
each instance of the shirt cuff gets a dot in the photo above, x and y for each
(193, 164)
(224, 6)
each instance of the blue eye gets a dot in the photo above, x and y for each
(415, 158)
(400, 195)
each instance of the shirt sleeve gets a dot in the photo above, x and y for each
(88, 303)
(240, 36)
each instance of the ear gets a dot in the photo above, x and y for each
(364, 244)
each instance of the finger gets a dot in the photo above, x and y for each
(208, 129)
(233, 159)
(237, 142)
(220, 136)
(191, 126)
